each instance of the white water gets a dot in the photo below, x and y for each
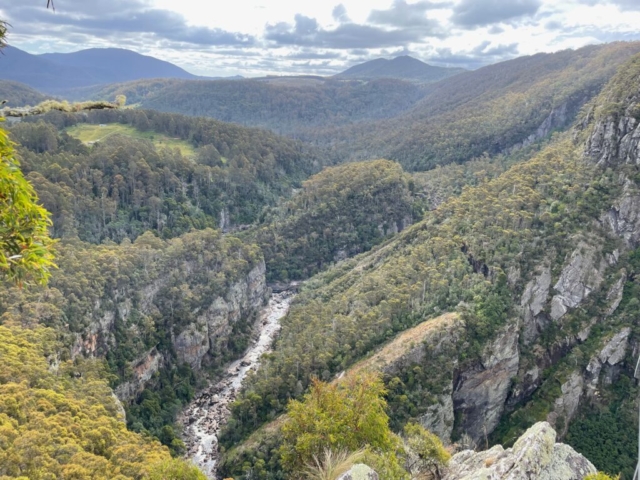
(208, 412)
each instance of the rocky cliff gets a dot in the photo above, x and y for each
(534, 456)
(207, 336)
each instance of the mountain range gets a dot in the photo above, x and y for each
(52, 72)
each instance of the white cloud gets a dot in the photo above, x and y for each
(256, 37)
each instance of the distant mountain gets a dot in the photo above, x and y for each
(18, 95)
(404, 67)
(52, 72)
(114, 65)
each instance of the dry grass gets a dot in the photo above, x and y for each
(332, 464)
(405, 342)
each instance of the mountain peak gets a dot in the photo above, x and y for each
(403, 67)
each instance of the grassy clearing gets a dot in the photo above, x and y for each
(89, 133)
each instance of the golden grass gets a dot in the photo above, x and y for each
(405, 342)
(90, 133)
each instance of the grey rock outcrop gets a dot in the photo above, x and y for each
(143, 370)
(213, 327)
(359, 472)
(480, 393)
(581, 276)
(535, 455)
(532, 302)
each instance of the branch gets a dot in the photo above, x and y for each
(50, 105)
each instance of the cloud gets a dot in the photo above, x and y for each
(117, 17)
(402, 14)
(482, 54)
(621, 4)
(339, 14)
(308, 33)
(477, 13)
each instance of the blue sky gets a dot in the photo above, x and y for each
(258, 37)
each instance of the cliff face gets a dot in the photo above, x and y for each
(205, 337)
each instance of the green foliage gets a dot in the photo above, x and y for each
(290, 106)
(426, 452)
(58, 419)
(165, 285)
(19, 95)
(458, 253)
(340, 212)
(489, 110)
(601, 476)
(123, 186)
(607, 433)
(347, 415)
(25, 246)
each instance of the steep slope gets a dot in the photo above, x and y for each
(492, 110)
(59, 418)
(340, 212)
(539, 263)
(112, 65)
(403, 67)
(19, 95)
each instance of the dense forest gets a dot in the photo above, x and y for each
(340, 212)
(122, 187)
(286, 105)
(18, 95)
(492, 109)
(449, 235)
(478, 254)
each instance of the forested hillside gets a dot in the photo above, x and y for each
(404, 67)
(123, 186)
(340, 212)
(538, 263)
(286, 105)
(492, 110)
(18, 95)
(59, 418)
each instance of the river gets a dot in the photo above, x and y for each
(209, 411)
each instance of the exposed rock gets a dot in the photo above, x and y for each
(481, 391)
(566, 406)
(143, 369)
(614, 296)
(535, 455)
(532, 303)
(439, 417)
(578, 279)
(212, 329)
(359, 472)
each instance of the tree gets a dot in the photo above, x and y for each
(25, 246)
(426, 453)
(348, 415)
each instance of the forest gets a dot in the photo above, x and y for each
(134, 272)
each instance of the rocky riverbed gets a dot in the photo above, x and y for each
(209, 411)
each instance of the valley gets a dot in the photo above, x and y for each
(424, 269)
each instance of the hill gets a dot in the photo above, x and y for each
(540, 264)
(404, 67)
(292, 106)
(489, 110)
(114, 65)
(61, 71)
(19, 95)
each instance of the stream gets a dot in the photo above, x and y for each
(209, 411)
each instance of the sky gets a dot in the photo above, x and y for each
(322, 37)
